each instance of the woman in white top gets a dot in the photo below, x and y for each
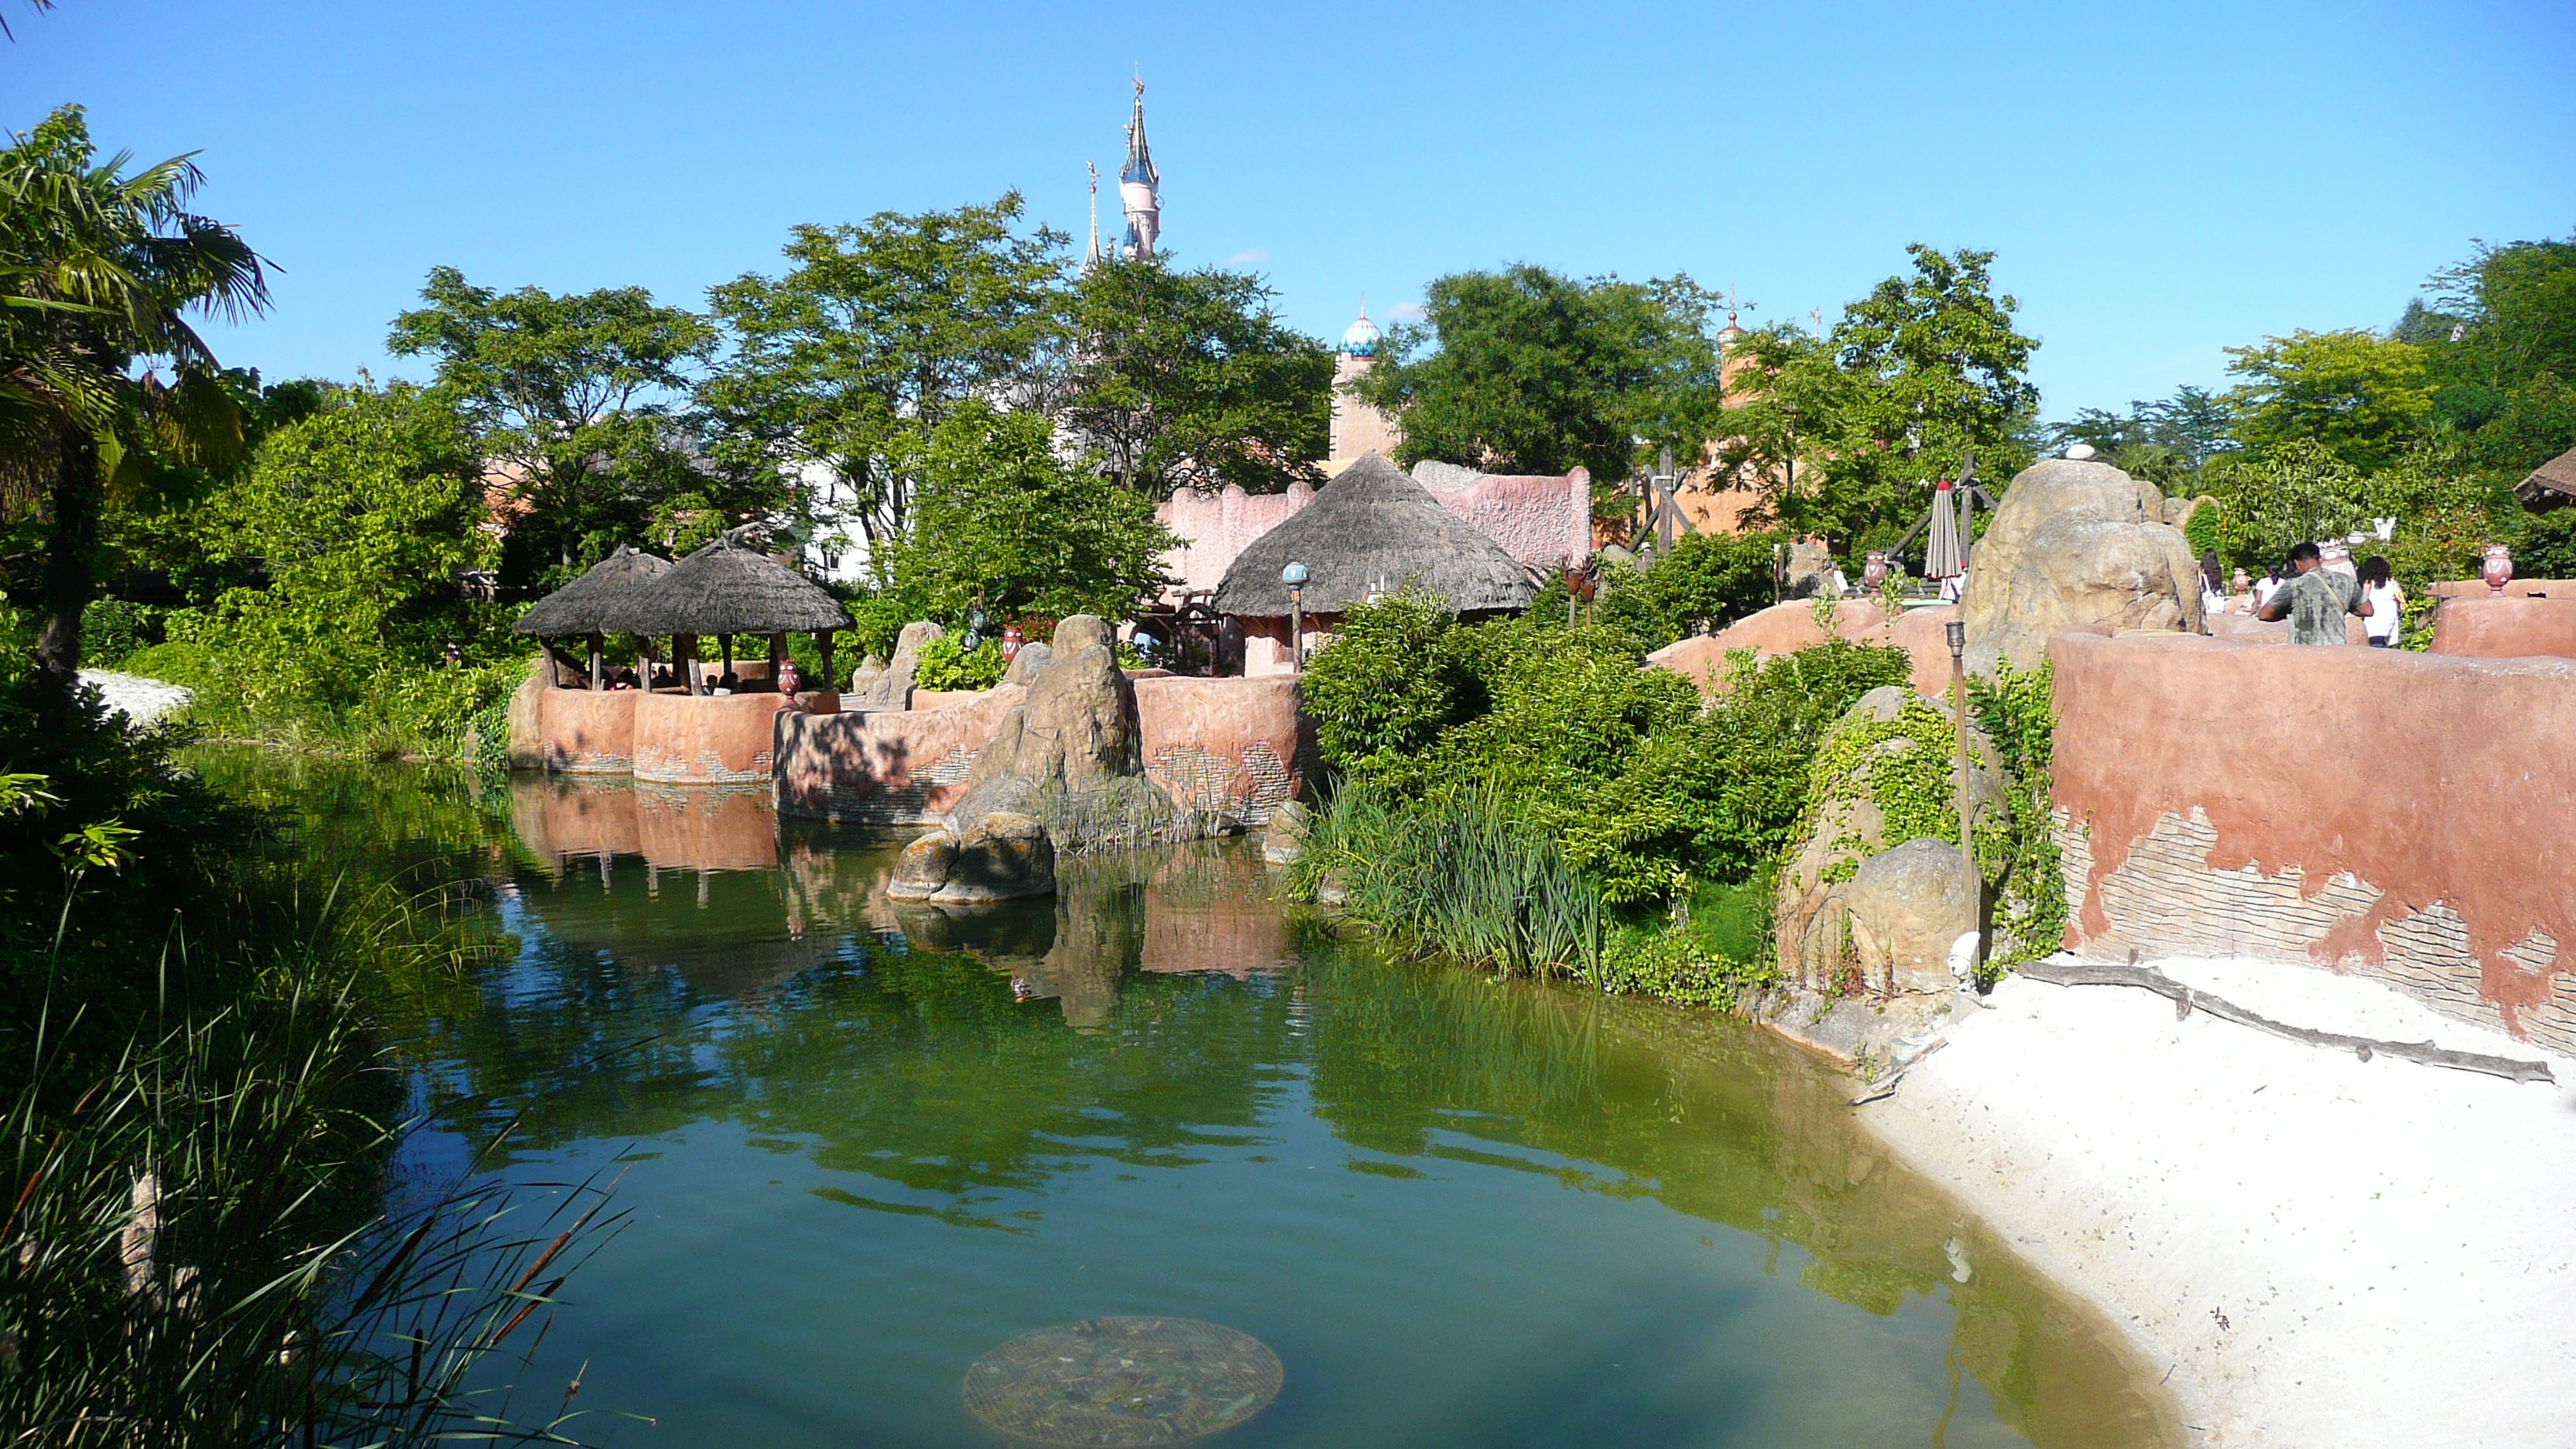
(2387, 603)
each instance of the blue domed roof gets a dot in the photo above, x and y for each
(1361, 337)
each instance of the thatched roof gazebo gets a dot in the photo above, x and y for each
(580, 608)
(2552, 484)
(726, 589)
(1373, 531)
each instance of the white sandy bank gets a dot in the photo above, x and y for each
(140, 699)
(2326, 1251)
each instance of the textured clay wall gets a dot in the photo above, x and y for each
(1221, 744)
(2410, 817)
(587, 731)
(1786, 628)
(1229, 744)
(2512, 626)
(1543, 521)
(683, 739)
(886, 766)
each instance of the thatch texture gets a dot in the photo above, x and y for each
(2552, 483)
(727, 589)
(580, 606)
(1373, 530)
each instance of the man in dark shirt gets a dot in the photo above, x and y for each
(2316, 601)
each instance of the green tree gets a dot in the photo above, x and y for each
(1000, 513)
(2502, 351)
(97, 270)
(846, 364)
(1187, 379)
(1845, 433)
(2359, 395)
(1532, 371)
(571, 395)
(364, 516)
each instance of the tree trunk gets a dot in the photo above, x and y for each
(64, 587)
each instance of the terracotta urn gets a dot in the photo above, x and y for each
(2498, 569)
(1012, 639)
(1874, 572)
(789, 681)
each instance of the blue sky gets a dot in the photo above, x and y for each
(2160, 181)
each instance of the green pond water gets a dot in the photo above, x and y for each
(860, 1146)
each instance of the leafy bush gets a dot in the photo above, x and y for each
(1705, 582)
(2016, 710)
(945, 664)
(111, 629)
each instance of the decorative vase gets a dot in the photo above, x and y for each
(1874, 572)
(2498, 569)
(1011, 641)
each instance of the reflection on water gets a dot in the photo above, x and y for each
(864, 1143)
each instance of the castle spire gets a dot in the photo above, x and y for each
(1091, 258)
(1140, 186)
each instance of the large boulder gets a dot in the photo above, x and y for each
(1905, 908)
(1286, 838)
(2075, 545)
(890, 687)
(1845, 831)
(1810, 572)
(1073, 752)
(1001, 857)
(1029, 663)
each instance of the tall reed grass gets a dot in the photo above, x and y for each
(1464, 874)
(196, 1250)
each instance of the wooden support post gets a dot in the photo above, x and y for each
(684, 654)
(777, 657)
(824, 639)
(598, 660)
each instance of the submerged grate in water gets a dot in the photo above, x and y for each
(1105, 1382)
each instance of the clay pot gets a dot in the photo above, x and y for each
(2498, 569)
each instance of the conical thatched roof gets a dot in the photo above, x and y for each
(724, 588)
(2552, 483)
(578, 607)
(1373, 530)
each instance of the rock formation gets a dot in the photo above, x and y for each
(1286, 837)
(889, 686)
(1904, 908)
(2075, 544)
(1029, 663)
(1810, 572)
(1815, 911)
(1001, 857)
(1072, 754)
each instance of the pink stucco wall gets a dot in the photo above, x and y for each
(686, 739)
(2405, 816)
(2508, 627)
(587, 731)
(2477, 588)
(1786, 628)
(886, 766)
(1544, 521)
(1216, 744)
(1221, 744)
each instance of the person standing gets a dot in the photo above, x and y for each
(2265, 587)
(2316, 600)
(2387, 602)
(2213, 583)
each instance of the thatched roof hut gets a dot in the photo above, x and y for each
(725, 588)
(580, 606)
(1373, 530)
(2551, 484)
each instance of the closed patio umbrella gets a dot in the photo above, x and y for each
(1942, 556)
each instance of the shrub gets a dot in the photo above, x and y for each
(945, 663)
(111, 629)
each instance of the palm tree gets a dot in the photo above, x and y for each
(96, 269)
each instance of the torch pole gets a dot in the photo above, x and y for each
(1958, 636)
(1296, 630)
